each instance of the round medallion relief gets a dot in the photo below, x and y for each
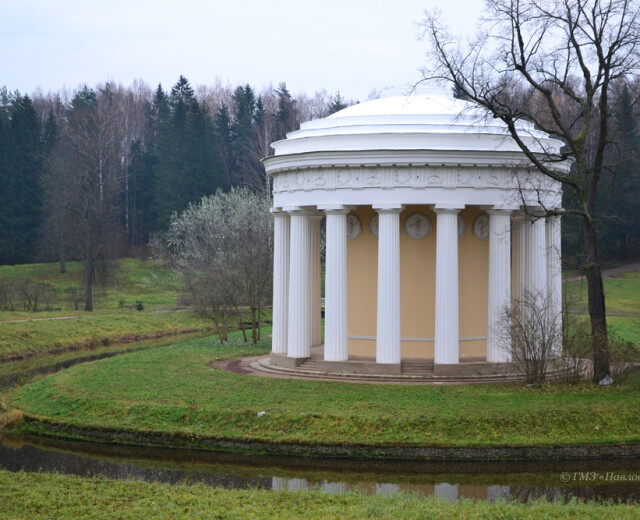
(373, 226)
(417, 226)
(462, 226)
(354, 227)
(481, 227)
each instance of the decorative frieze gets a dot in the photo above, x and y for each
(410, 176)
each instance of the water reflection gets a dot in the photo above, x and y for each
(449, 481)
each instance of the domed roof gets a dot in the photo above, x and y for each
(411, 120)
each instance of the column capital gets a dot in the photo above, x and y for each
(451, 209)
(306, 211)
(388, 208)
(500, 210)
(335, 209)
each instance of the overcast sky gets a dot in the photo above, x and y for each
(351, 46)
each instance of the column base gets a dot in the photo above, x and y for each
(359, 367)
(472, 368)
(281, 360)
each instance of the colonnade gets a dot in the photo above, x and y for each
(535, 256)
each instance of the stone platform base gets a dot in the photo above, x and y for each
(469, 370)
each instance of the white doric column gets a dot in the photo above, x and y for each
(388, 324)
(316, 277)
(280, 280)
(535, 264)
(517, 256)
(447, 319)
(335, 286)
(300, 285)
(499, 284)
(554, 271)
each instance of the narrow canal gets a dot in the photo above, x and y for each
(600, 480)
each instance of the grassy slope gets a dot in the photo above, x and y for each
(41, 496)
(34, 337)
(134, 280)
(114, 319)
(622, 296)
(173, 389)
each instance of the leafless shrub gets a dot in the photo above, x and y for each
(533, 331)
(74, 295)
(625, 357)
(575, 363)
(26, 294)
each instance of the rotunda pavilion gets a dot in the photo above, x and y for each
(429, 236)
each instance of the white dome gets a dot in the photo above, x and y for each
(420, 147)
(422, 119)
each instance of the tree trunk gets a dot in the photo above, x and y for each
(597, 313)
(63, 263)
(259, 320)
(254, 334)
(88, 264)
(88, 285)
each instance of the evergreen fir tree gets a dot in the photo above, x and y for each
(617, 200)
(337, 103)
(243, 135)
(21, 194)
(188, 159)
(286, 117)
(224, 140)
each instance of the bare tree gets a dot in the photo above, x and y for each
(85, 181)
(553, 63)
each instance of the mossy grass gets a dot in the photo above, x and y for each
(40, 496)
(174, 390)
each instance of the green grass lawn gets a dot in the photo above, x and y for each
(625, 327)
(634, 275)
(115, 318)
(133, 280)
(26, 338)
(622, 295)
(174, 390)
(43, 496)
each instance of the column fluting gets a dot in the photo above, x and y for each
(388, 324)
(299, 334)
(335, 317)
(280, 281)
(535, 276)
(554, 274)
(447, 318)
(498, 343)
(316, 277)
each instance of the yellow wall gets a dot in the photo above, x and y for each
(473, 283)
(417, 287)
(362, 286)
